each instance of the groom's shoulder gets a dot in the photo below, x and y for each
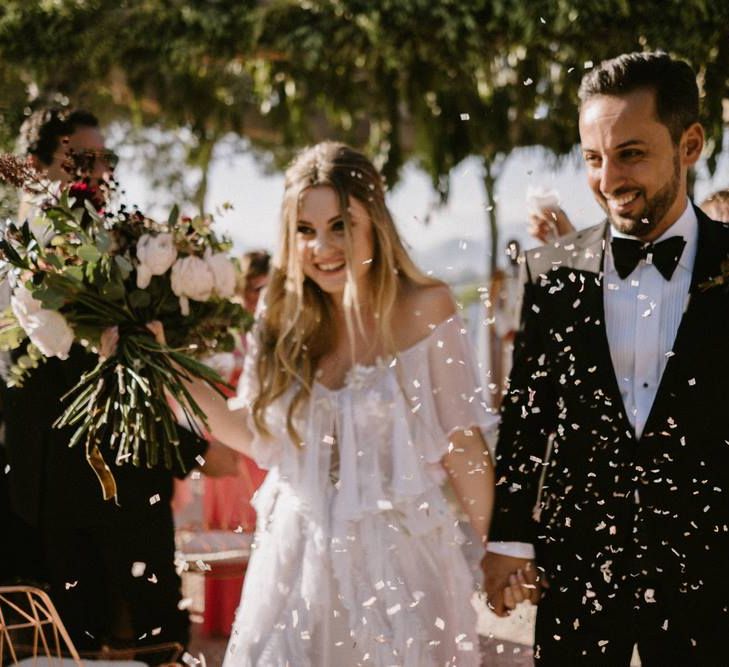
(568, 251)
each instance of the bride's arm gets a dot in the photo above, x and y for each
(230, 427)
(472, 476)
(225, 425)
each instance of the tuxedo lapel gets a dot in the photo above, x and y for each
(710, 252)
(590, 262)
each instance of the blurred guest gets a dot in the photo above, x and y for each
(110, 566)
(716, 205)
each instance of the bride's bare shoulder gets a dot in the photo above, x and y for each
(418, 309)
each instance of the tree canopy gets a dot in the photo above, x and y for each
(433, 81)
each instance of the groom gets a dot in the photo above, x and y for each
(613, 459)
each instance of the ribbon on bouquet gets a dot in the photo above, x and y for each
(102, 471)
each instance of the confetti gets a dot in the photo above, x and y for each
(138, 569)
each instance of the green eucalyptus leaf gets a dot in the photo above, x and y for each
(113, 290)
(125, 266)
(140, 298)
(173, 216)
(54, 261)
(11, 337)
(75, 273)
(103, 241)
(89, 253)
(50, 297)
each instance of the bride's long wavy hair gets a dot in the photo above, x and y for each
(296, 329)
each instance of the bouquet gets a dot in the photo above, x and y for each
(81, 267)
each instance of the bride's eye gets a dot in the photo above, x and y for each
(304, 230)
(338, 226)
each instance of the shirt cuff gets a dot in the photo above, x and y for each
(513, 549)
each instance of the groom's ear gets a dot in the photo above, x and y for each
(691, 144)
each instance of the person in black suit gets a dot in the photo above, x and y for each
(110, 566)
(612, 460)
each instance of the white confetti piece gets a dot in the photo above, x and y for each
(394, 609)
(138, 568)
(465, 116)
(153, 500)
(440, 623)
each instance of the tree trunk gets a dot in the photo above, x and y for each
(203, 157)
(489, 183)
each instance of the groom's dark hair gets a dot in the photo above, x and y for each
(673, 81)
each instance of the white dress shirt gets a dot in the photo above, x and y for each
(642, 314)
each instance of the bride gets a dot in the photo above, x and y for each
(360, 396)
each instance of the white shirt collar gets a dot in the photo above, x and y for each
(687, 226)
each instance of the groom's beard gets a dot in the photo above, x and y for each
(644, 222)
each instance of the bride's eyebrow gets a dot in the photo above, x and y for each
(334, 218)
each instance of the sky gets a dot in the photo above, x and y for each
(237, 178)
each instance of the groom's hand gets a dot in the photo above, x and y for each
(509, 580)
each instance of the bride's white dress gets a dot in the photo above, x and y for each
(367, 568)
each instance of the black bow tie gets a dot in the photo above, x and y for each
(664, 255)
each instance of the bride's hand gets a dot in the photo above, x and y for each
(109, 342)
(158, 329)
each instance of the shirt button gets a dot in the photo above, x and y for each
(645, 385)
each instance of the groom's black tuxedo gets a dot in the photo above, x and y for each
(90, 545)
(621, 521)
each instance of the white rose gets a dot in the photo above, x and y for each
(191, 278)
(47, 329)
(223, 273)
(156, 254)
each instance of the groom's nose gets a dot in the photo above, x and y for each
(611, 176)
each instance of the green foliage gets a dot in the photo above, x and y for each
(427, 80)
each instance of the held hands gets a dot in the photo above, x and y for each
(548, 223)
(509, 581)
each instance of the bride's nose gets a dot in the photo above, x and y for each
(320, 244)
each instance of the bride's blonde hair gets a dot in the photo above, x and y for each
(296, 326)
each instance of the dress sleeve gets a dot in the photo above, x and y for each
(264, 450)
(443, 384)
